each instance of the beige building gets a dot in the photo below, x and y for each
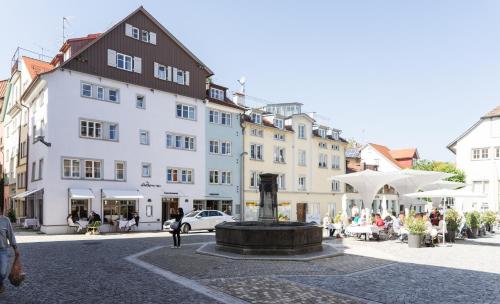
(280, 139)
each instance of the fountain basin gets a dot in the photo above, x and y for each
(276, 238)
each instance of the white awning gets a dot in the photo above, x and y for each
(121, 194)
(24, 194)
(81, 193)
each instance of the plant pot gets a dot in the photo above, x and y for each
(414, 240)
(450, 236)
(475, 232)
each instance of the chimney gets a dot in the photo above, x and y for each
(239, 98)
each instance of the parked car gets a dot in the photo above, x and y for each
(201, 220)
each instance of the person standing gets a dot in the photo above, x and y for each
(7, 239)
(176, 232)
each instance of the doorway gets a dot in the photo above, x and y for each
(301, 212)
(169, 206)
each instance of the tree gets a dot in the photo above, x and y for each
(431, 165)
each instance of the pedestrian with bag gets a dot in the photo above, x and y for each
(176, 228)
(7, 239)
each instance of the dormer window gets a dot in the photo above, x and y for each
(335, 135)
(256, 118)
(216, 94)
(278, 123)
(145, 36)
(135, 33)
(322, 133)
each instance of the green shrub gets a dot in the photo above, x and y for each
(338, 218)
(415, 226)
(12, 215)
(488, 217)
(473, 219)
(453, 219)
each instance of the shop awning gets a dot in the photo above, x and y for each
(121, 194)
(24, 194)
(81, 193)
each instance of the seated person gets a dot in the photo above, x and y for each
(379, 222)
(362, 220)
(441, 225)
(356, 218)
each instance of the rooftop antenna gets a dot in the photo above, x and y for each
(242, 82)
(64, 20)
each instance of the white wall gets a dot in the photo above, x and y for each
(371, 156)
(486, 134)
(66, 107)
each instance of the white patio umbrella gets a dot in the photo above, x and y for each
(368, 182)
(415, 180)
(441, 184)
(443, 193)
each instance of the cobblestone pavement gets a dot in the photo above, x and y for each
(86, 269)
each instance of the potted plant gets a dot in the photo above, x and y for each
(453, 220)
(488, 218)
(416, 228)
(472, 219)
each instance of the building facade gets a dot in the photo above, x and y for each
(477, 153)
(118, 127)
(281, 139)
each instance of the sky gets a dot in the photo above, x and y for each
(396, 73)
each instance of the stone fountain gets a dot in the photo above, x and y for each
(268, 236)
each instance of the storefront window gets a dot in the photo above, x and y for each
(119, 209)
(284, 211)
(198, 205)
(227, 207)
(80, 208)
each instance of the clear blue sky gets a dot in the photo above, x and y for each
(398, 73)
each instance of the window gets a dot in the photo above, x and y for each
(145, 36)
(322, 133)
(218, 117)
(476, 153)
(186, 111)
(112, 95)
(225, 177)
(322, 145)
(140, 103)
(214, 147)
(279, 155)
(213, 177)
(182, 142)
(279, 136)
(335, 162)
(256, 132)
(225, 148)
(179, 175)
(481, 153)
(497, 152)
(124, 62)
(302, 158)
(40, 169)
(335, 186)
(71, 168)
(100, 93)
(484, 153)
(93, 169)
(90, 129)
(114, 209)
(162, 72)
(135, 33)
(281, 182)
(278, 123)
(146, 170)
(256, 152)
(335, 135)
(254, 179)
(86, 90)
(113, 132)
(302, 131)
(180, 76)
(186, 175)
(302, 183)
(33, 171)
(213, 116)
(323, 160)
(144, 137)
(120, 170)
(335, 148)
(225, 119)
(481, 187)
(216, 93)
(256, 118)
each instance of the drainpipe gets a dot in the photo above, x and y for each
(27, 140)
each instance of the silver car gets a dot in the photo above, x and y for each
(201, 220)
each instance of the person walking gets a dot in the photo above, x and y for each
(176, 229)
(7, 239)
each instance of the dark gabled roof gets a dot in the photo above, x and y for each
(143, 10)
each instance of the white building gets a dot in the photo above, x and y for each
(117, 127)
(478, 155)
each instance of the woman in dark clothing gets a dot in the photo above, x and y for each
(176, 233)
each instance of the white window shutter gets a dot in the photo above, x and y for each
(128, 30)
(169, 73)
(174, 76)
(138, 65)
(152, 38)
(111, 58)
(186, 78)
(156, 67)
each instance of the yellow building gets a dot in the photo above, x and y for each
(280, 139)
